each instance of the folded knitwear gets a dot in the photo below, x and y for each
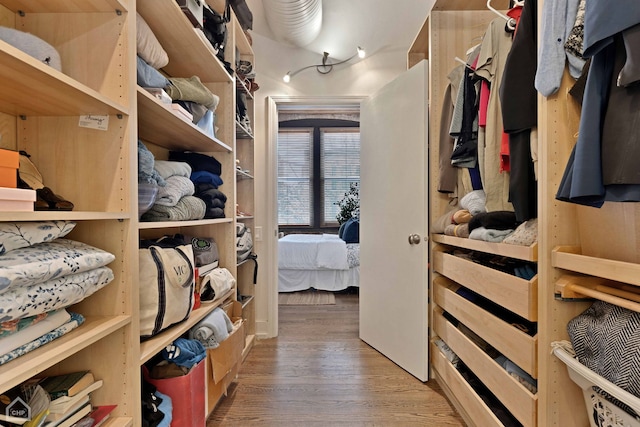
(188, 208)
(184, 352)
(32, 46)
(192, 89)
(146, 171)
(489, 234)
(197, 110)
(204, 177)
(197, 161)
(496, 220)
(457, 230)
(177, 187)
(167, 168)
(213, 329)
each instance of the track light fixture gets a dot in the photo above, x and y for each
(326, 66)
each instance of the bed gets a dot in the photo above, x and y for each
(319, 261)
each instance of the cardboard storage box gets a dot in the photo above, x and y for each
(9, 164)
(223, 358)
(17, 200)
(187, 395)
(215, 391)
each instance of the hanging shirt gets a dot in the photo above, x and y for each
(493, 53)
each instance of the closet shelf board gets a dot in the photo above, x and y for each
(571, 258)
(242, 132)
(30, 87)
(119, 422)
(511, 292)
(63, 216)
(93, 329)
(188, 53)
(240, 85)
(242, 43)
(520, 347)
(525, 253)
(243, 175)
(459, 390)
(64, 6)
(153, 346)
(173, 224)
(520, 401)
(160, 126)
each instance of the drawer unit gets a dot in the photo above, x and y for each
(518, 346)
(521, 402)
(475, 412)
(513, 293)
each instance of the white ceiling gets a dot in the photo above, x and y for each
(346, 24)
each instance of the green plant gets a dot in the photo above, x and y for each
(349, 205)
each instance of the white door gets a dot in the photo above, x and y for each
(393, 223)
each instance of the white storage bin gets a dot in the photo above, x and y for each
(608, 414)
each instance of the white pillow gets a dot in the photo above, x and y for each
(148, 46)
(49, 260)
(16, 235)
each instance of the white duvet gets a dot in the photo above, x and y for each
(312, 252)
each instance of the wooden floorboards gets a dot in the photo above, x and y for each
(318, 372)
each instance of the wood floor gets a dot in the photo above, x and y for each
(318, 372)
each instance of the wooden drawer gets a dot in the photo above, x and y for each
(475, 412)
(518, 346)
(520, 401)
(511, 292)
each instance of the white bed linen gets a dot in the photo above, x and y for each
(324, 280)
(312, 251)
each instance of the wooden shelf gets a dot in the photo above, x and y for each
(461, 5)
(31, 88)
(63, 216)
(513, 293)
(154, 345)
(520, 347)
(459, 390)
(242, 132)
(242, 43)
(160, 126)
(246, 299)
(175, 224)
(119, 422)
(188, 53)
(64, 6)
(525, 253)
(246, 217)
(36, 361)
(240, 85)
(243, 175)
(571, 258)
(516, 398)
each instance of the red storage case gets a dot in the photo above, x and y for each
(187, 395)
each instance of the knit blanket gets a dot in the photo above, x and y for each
(177, 187)
(188, 208)
(167, 168)
(213, 329)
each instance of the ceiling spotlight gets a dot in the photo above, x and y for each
(326, 66)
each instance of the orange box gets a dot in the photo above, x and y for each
(17, 200)
(9, 164)
(187, 395)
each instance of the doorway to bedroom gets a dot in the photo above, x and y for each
(318, 181)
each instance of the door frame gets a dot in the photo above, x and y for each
(271, 109)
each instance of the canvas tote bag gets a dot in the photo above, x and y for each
(166, 284)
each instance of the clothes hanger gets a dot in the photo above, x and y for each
(518, 3)
(463, 62)
(511, 22)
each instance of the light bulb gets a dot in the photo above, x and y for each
(286, 78)
(361, 52)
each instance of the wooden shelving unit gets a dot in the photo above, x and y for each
(97, 170)
(576, 245)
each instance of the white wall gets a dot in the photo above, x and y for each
(273, 60)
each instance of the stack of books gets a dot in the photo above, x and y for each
(55, 401)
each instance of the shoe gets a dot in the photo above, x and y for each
(53, 202)
(28, 172)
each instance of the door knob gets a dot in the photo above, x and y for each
(414, 239)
